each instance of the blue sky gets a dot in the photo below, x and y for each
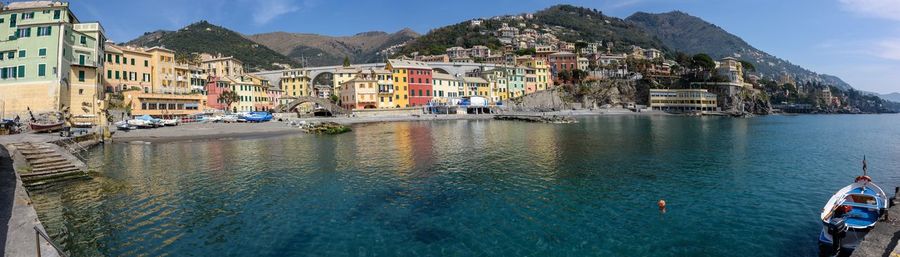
(857, 40)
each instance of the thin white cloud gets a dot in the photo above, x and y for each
(264, 11)
(885, 9)
(888, 49)
(624, 3)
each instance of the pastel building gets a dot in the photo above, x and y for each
(295, 83)
(496, 89)
(385, 88)
(475, 86)
(541, 71)
(221, 66)
(445, 87)
(683, 100)
(162, 63)
(127, 67)
(412, 82)
(530, 81)
(562, 61)
(252, 93)
(341, 75)
(515, 77)
(50, 60)
(360, 92)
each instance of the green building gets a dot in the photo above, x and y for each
(49, 60)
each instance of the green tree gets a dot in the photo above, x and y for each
(748, 66)
(335, 99)
(346, 61)
(229, 98)
(703, 61)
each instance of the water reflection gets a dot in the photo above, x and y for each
(474, 188)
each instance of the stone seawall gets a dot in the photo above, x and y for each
(882, 240)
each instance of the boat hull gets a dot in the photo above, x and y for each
(39, 128)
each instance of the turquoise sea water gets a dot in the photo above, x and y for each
(734, 187)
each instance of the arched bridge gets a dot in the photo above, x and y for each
(322, 102)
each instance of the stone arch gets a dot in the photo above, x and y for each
(442, 70)
(324, 103)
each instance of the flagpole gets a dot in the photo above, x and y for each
(865, 166)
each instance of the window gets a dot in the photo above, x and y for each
(132, 61)
(117, 75)
(109, 74)
(42, 52)
(146, 63)
(83, 40)
(42, 70)
(1, 20)
(23, 32)
(56, 14)
(21, 71)
(117, 59)
(80, 59)
(22, 53)
(28, 16)
(81, 76)
(44, 31)
(12, 20)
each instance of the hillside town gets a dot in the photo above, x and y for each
(66, 65)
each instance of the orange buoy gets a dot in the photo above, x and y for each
(661, 204)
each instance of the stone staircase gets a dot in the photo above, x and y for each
(49, 164)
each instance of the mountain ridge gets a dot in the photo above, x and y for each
(672, 32)
(692, 35)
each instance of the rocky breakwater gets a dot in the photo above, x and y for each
(555, 119)
(327, 127)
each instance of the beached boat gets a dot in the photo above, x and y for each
(257, 117)
(849, 215)
(39, 127)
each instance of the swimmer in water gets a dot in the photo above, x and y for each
(662, 205)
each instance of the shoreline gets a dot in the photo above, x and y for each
(226, 131)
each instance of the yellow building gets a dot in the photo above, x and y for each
(127, 67)
(219, 66)
(683, 100)
(400, 71)
(401, 86)
(475, 86)
(360, 92)
(295, 82)
(182, 75)
(541, 71)
(162, 64)
(340, 76)
(385, 88)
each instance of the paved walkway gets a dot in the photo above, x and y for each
(17, 215)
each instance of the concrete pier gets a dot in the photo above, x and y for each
(18, 214)
(882, 240)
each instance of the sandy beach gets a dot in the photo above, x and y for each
(212, 131)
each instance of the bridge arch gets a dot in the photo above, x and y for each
(322, 102)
